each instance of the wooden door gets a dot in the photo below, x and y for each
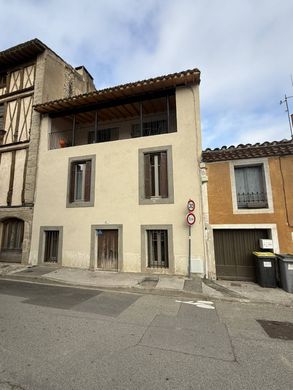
(233, 252)
(108, 249)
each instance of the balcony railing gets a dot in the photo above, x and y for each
(252, 200)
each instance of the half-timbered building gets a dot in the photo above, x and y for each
(30, 74)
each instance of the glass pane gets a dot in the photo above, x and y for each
(79, 181)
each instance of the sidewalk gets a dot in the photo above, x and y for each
(148, 283)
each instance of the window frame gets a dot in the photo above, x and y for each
(42, 244)
(144, 249)
(143, 200)
(74, 161)
(267, 185)
(16, 226)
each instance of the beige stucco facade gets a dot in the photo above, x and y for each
(116, 195)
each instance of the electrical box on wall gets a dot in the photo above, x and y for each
(265, 243)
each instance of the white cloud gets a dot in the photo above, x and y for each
(241, 47)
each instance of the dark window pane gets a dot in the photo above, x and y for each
(51, 246)
(12, 234)
(157, 248)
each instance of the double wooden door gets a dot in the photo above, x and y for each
(108, 249)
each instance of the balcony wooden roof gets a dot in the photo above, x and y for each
(266, 149)
(120, 94)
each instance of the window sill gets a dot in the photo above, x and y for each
(80, 204)
(154, 200)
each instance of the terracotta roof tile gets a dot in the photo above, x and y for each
(266, 149)
(191, 76)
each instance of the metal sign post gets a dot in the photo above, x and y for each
(190, 219)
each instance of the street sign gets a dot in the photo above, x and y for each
(190, 218)
(190, 205)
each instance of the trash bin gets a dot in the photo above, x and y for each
(266, 269)
(285, 262)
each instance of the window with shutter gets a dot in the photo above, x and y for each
(81, 182)
(155, 176)
(250, 187)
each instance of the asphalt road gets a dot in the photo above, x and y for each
(67, 338)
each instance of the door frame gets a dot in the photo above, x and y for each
(94, 245)
(211, 260)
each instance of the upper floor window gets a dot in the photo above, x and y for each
(250, 187)
(81, 182)
(3, 79)
(150, 128)
(155, 175)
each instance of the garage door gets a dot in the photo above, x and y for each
(233, 252)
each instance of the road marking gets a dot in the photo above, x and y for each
(201, 304)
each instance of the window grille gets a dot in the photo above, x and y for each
(51, 246)
(250, 187)
(157, 248)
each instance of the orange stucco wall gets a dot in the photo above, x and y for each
(220, 199)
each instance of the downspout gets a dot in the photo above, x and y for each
(201, 210)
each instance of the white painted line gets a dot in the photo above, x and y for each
(201, 304)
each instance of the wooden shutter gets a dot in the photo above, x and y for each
(87, 182)
(147, 176)
(72, 183)
(163, 175)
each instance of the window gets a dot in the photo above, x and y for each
(12, 235)
(157, 248)
(51, 246)
(3, 79)
(104, 135)
(150, 128)
(250, 187)
(157, 241)
(155, 175)
(81, 182)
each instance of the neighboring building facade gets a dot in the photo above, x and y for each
(249, 198)
(30, 74)
(116, 169)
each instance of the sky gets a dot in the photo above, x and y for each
(243, 49)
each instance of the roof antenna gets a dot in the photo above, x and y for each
(290, 117)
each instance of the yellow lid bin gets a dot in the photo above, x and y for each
(264, 254)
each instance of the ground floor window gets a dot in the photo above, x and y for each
(12, 234)
(12, 238)
(51, 246)
(157, 243)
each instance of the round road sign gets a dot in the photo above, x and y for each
(190, 205)
(190, 218)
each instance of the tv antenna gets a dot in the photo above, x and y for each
(285, 100)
